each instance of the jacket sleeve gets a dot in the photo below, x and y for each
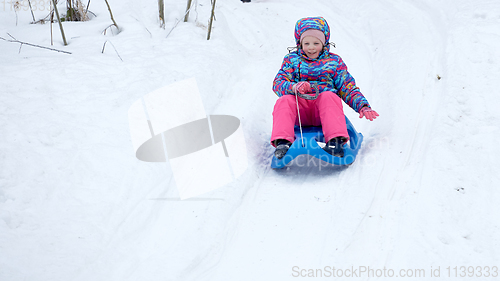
(284, 80)
(347, 89)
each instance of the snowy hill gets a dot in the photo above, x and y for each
(421, 199)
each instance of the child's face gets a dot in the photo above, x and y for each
(312, 46)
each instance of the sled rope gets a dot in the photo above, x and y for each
(300, 123)
(307, 97)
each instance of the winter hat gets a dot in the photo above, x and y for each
(317, 23)
(320, 35)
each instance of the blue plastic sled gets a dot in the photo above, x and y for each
(313, 135)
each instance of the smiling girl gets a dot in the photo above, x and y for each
(314, 66)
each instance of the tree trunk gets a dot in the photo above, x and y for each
(161, 10)
(187, 10)
(211, 20)
(60, 23)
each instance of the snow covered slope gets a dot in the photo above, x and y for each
(75, 203)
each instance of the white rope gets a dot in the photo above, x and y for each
(300, 123)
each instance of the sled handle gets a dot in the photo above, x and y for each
(308, 97)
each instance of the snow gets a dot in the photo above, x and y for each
(75, 203)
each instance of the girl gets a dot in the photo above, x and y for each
(313, 65)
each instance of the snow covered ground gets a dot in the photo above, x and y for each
(75, 203)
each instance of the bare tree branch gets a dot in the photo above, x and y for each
(161, 12)
(111, 15)
(51, 33)
(186, 16)
(31, 9)
(14, 40)
(212, 15)
(176, 23)
(104, 46)
(60, 23)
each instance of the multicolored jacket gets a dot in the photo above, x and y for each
(328, 72)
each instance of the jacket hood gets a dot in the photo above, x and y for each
(318, 23)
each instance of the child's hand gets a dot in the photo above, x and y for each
(302, 88)
(369, 113)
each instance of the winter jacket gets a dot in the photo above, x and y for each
(328, 72)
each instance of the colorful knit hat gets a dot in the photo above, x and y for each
(308, 25)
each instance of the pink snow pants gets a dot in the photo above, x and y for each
(325, 111)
